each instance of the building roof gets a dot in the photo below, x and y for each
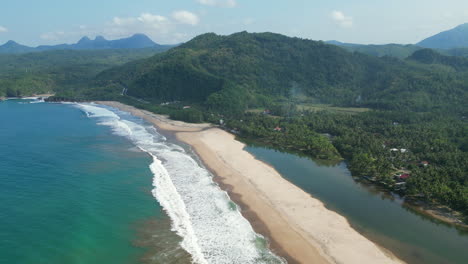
(404, 176)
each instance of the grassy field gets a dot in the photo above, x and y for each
(320, 107)
(330, 108)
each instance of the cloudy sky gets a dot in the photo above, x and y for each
(34, 22)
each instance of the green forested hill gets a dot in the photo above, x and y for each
(60, 70)
(431, 57)
(418, 105)
(246, 70)
(404, 112)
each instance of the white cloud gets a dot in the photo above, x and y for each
(185, 17)
(248, 21)
(146, 22)
(341, 19)
(148, 18)
(3, 29)
(219, 3)
(145, 19)
(123, 21)
(52, 36)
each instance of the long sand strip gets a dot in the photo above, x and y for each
(298, 226)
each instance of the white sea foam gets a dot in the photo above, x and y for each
(212, 230)
(37, 100)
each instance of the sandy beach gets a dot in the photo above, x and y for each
(298, 226)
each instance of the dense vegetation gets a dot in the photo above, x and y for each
(372, 143)
(59, 70)
(242, 71)
(429, 56)
(267, 86)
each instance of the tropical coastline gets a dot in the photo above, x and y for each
(299, 226)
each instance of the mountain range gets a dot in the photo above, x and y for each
(452, 42)
(136, 41)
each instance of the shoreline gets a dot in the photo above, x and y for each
(298, 227)
(438, 212)
(434, 211)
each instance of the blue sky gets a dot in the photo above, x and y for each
(34, 22)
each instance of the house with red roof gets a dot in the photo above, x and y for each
(404, 176)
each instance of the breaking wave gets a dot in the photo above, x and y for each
(211, 226)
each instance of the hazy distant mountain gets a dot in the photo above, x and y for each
(400, 51)
(454, 38)
(343, 44)
(394, 50)
(136, 41)
(13, 47)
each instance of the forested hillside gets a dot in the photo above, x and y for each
(431, 57)
(40, 72)
(288, 92)
(245, 70)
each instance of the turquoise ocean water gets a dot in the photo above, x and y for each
(70, 191)
(91, 184)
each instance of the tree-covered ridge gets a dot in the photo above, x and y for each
(267, 87)
(252, 66)
(40, 72)
(429, 56)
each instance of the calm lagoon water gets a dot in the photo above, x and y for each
(414, 238)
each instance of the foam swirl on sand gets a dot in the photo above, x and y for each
(211, 226)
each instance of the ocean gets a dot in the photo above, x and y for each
(85, 183)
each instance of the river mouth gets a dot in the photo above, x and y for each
(383, 218)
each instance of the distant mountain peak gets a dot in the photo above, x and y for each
(84, 40)
(13, 47)
(462, 26)
(454, 38)
(99, 38)
(139, 35)
(11, 43)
